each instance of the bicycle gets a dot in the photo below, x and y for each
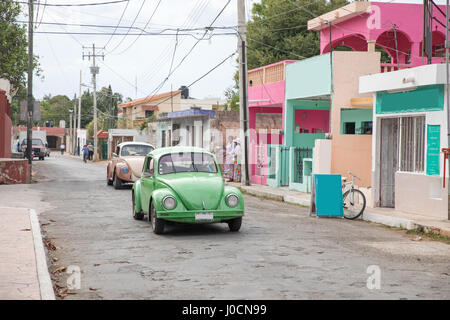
(353, 199)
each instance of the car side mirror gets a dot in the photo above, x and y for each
(114, 154)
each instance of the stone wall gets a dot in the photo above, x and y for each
(14, 171)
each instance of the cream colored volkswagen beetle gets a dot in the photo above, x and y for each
(125, 166)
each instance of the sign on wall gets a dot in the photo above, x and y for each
(433, 148)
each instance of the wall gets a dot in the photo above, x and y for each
(414, 192)
(421, 194)
(350, 152)
(357, 116)
(14, 171)
(312, 119)
(309, 78)
(322, 156)
(5, 126)
(224, 124)
(291, 138)
(405, 15)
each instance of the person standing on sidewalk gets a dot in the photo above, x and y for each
(229, 159)
(85, 152)
(63, 147)
(91, 151)
(237, 160)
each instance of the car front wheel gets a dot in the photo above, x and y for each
(235, 224)
(157, 224)
(117, 182)
(136, 215)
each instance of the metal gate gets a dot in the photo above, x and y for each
(272, 162)
(260, 160)
(299, 155)
(284, 179)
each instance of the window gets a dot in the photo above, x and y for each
(412, 144)
(187, 162)
(150, 166)
(136, 150)
(349, 128)
(148, 113)
(366, 127)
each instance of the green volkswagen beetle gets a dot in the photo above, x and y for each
(184, 184)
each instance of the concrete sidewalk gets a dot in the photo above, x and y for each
(384, 216)
(23, 265)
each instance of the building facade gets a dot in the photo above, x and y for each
(410, 130)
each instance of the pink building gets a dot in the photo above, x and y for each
(266, 95)
(361, 25)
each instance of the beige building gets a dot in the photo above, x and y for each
(132, 114)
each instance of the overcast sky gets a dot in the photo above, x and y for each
(147, 60)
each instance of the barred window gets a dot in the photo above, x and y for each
(412, 144)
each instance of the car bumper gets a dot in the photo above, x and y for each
(189, 216)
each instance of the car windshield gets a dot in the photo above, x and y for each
(187, 162)
(34, 142)
(136, 150)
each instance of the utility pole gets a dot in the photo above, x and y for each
(74, 141)
(30, 86)
(70, 129)
(447, 91)
(79, 119)
(243, 89)
(94, 72)
(110, 126)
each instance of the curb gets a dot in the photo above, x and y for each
(45, 284)
(367, 216)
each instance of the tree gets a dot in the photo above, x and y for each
(56, 109)
(278, 31)
(13, 46)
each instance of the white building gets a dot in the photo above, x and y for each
(409, 132)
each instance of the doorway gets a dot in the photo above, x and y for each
(388, 161)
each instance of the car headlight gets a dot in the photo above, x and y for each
(232, 200)
(169, 202)
(124, 169)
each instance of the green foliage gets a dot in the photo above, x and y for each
(144, 124)
(282, 24)
(13, 46)
(278, 31)
(57, 108)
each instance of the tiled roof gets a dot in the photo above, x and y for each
(148, 99)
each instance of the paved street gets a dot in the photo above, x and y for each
(280, 252)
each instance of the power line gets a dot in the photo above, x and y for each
(132, 24)
(189, 52)
(75, 5)
(148, 21)
(196, 80)
(118, 24)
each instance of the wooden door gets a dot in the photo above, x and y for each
(389, 161)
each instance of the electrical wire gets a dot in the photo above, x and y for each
(132, 24)
(193, 82)
(118, 24)
(148, 21)
(75, 5)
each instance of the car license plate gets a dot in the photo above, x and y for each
(204, 216)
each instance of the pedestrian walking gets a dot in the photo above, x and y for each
(18, 146)
(91, 151)
(85, 152)
(63, 147)
(237, 160)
